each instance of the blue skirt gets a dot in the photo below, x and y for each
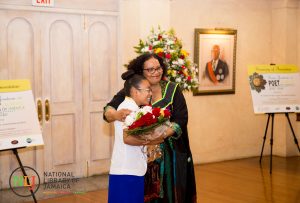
(125, 189)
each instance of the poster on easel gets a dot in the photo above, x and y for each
(274, 88)
(19, 126)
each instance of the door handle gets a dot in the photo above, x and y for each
(47, 110)
(40, 110)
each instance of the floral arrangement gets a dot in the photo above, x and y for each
(166, 45)
(145, 120)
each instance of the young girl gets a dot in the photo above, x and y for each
(129, 162)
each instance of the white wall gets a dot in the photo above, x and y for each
(223, 127)
(137, 18)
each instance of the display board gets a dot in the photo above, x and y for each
(275, 88)
(19, 126)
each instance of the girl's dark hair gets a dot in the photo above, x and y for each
(137, 64)
(132, 80)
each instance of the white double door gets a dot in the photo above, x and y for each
(71, 62)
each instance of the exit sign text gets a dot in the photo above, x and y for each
(46, 3)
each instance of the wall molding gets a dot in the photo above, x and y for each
(58, 10)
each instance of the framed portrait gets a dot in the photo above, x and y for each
(215, 56)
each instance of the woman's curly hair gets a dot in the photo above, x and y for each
(137, 64)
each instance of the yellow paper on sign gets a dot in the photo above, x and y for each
(14, 85)
(280, 69)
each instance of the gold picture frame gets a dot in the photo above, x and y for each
(215, 56)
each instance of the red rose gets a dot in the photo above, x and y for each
(136, 124)
(159, 37)
(167, 113)
(133, 126)
(183, 67)
(189, 78)
(156, 112)
(148, 119)
(182, 56)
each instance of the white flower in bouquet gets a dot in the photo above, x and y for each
(169, 42)
(156, 43)
(146, 109)
(130, 119)
(180, 62)
(146, 49)
(178, 80)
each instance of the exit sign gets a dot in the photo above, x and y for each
(46, 3)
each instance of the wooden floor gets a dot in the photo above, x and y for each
(235, 181)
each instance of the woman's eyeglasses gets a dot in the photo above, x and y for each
(153, 70)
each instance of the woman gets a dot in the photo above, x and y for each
(129, 161)
(177, 170)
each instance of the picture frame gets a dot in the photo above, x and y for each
(215, 56)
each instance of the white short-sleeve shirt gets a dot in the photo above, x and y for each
(127, 159)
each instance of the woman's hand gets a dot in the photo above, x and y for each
(122, 114)
(159, 134)
(113, 115)
(154, 137)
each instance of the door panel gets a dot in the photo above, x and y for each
(20, 58)
(99, 61)
(63, 146)
(61, 62)
(100, 139)
(99, 73)
(62, 86)
(18, 44)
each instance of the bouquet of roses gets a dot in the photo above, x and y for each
(145, 120)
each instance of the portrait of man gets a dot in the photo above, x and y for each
(216, 70)
(215, 55)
